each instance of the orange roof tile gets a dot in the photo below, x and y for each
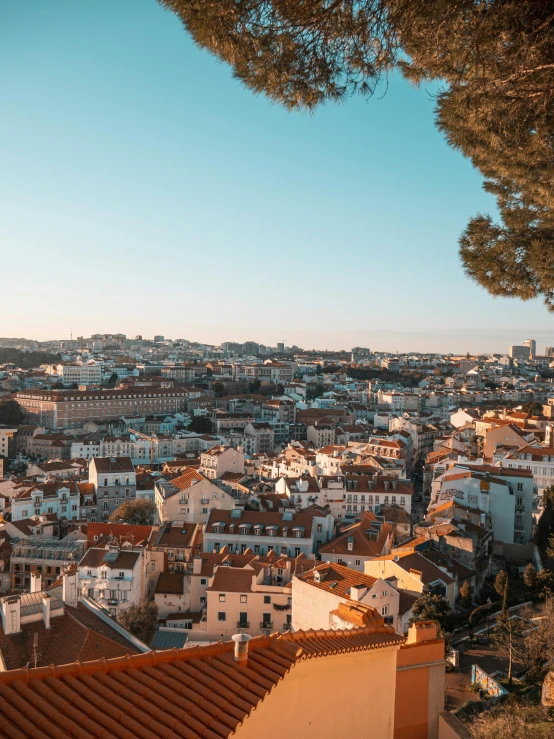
(194, 692)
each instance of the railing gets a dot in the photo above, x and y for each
(243, 624)
(266, 625)
(287, 626)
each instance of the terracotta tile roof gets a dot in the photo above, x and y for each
(232, 579)
(194, 692)
(187, 479)
(77, 635)
(356, 540)
(122, 531)
(96, 557)
(336, 579)
(113, 464)
(171, 582)
(174, 536)
(218, 515)
(414, 561)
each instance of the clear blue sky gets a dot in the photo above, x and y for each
(143, 190)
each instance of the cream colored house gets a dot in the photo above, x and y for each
(217, 461)
(190, 497)
(318, 592)
(414, 573)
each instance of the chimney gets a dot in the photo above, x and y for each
(36, 583)
(357, 592)
(69, 587)
(422, 631)
(197, 565)
(46, 610)
(241, 647)
(11, 615)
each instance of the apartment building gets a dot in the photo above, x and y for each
(76, 374)
(246, 599)
(218, 460)
(53, 498)
(536, 458)
(317, 593)
(58, 409)
(43, 559)
(288, 534)
(414, 573)
(259, 438)
(368, 538)
(505, 495)
(190, 497)
(114, 481)
(112, 576)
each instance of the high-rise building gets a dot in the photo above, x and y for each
(549, 351)
(532, 344)
(520, 352)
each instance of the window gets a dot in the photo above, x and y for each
(520, 487)
(203, 581)
(221, 616)
(358, 562)
(384, 593)
(222, 597)
(267, 599)
(319, 528)
(385, 611)
(91, 593)
(121, 574)
(244, 599)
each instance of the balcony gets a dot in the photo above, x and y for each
(287, 626)
(243, 624)
(266, 624)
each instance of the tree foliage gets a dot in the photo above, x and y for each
(495, 60)
(140, 620)
(26, 360)
(11, 413)
(432, 608)
(466, 594)
(200, 425)
(138, 512)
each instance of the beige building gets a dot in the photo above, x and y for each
(58, 409)
(189, 497)
(381, 685)
(217, 461)
(318, 592)
(414, 573)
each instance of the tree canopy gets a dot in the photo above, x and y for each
(140, 620)
(138, 512)
(11, 413)
(494, 59)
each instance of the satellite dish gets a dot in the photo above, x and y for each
(396, 558)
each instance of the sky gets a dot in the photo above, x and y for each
(143, 190)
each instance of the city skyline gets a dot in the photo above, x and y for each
(152, 165)
(376, 342)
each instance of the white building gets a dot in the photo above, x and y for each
(190, 497)
(505, 495)
(59, 498)
(79, 374)
(113, 577)
(289, 534)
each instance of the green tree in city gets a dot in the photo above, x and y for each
(494, 60)
(139, 512)
(200, 425)
(140, 620)
(432, 608)
(466, 594)
(11, 413)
